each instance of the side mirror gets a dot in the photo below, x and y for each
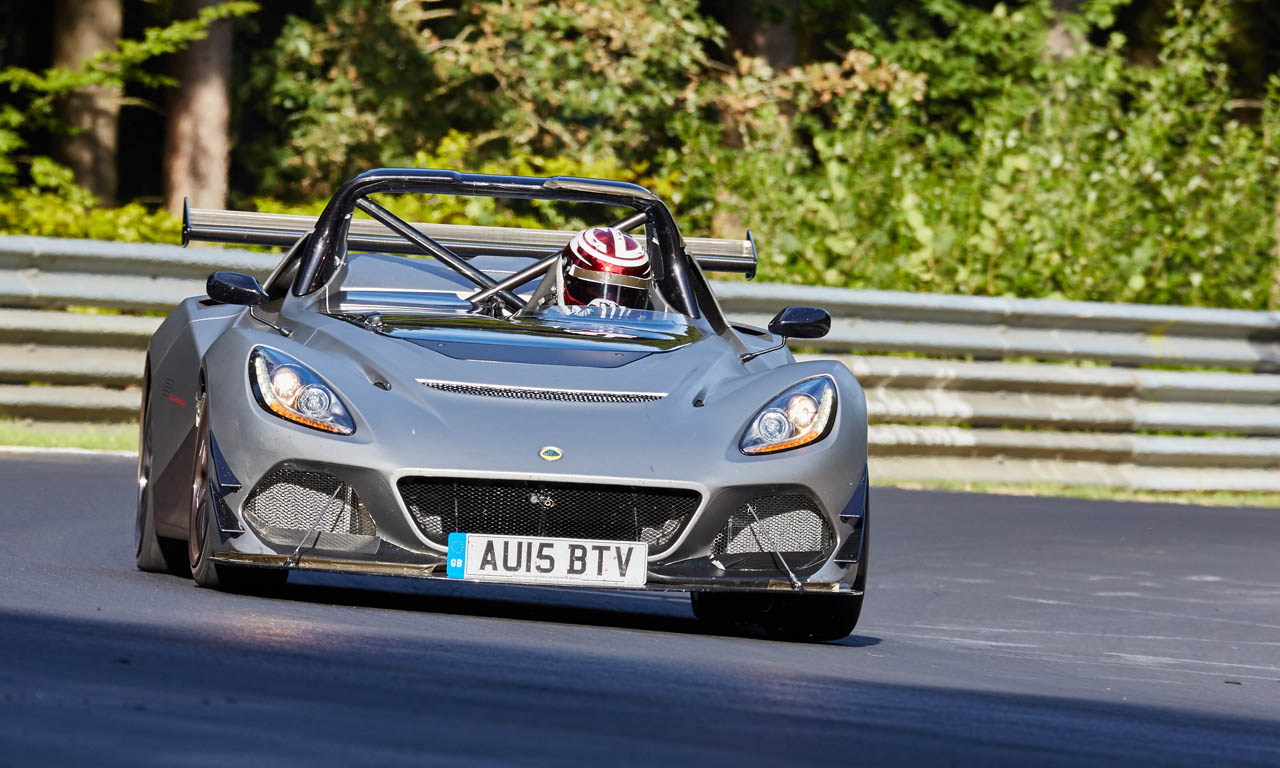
(801, 323)
(235, 288)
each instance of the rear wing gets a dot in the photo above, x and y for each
(282, 229)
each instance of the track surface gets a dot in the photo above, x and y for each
(997, 630)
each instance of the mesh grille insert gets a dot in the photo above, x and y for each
(441, 506)
(531, 393)
(791, 523)
(289, 501)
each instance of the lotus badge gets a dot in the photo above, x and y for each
(551, 453)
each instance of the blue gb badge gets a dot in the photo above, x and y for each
(457, 555)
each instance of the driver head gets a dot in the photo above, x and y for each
(605, 265)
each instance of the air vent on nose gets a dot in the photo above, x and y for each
(538, 393)
(790, 525)
(289, 503)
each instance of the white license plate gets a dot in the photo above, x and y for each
(535, 560)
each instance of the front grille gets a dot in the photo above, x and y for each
(791, 524)
(533, 393)
(441, 506)
(287, 503)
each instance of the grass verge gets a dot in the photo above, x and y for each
(121, 436)
(1097, 493)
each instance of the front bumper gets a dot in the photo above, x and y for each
(694, 559)
(405, 428)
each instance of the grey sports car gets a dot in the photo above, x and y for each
(405, 399)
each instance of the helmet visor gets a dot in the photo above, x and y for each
(579, 291)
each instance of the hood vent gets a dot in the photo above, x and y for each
(537, 393)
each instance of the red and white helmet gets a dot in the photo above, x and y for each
(603, 264)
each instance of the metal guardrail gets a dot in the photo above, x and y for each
(977, 399)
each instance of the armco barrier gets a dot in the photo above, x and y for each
(1011, 390)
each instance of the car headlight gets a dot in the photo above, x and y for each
(799, 416)
(294, 392)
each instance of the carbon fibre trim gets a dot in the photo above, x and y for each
(436, 571)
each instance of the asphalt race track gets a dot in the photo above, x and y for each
(998, 630)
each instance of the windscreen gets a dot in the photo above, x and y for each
(611, 322)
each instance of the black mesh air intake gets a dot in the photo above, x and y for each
(791, 525)
(441, 506)
(287, 503)
(532, 393)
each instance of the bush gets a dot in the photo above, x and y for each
(27, 212)
(366, 83)
(1086, 177)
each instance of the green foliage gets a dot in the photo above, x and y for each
(589, 77)
(1085, 177)
(947, 150)
(75, 214)
(367, 83)
(351, 90)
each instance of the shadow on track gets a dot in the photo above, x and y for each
(88, 690)
(601, 608)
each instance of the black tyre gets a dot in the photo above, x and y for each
(794, 616)
(151, 553)
(801, 618)
(202, 525)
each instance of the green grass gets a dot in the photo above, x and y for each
(121, 436)
(1100, 493)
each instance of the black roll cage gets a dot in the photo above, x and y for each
(324, 248)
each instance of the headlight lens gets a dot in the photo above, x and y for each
(799, 416)
(294, 392)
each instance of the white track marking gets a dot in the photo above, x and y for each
(1143, 659)
(1167, 614)
(1019, 631)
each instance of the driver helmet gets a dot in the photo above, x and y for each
(603, 265)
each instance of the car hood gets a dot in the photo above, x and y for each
(409, 351)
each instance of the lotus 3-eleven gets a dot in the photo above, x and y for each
(502, 404)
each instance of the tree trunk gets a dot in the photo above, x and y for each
(196, 142)
(766, 29)
(82, 28)
(1061, 43)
